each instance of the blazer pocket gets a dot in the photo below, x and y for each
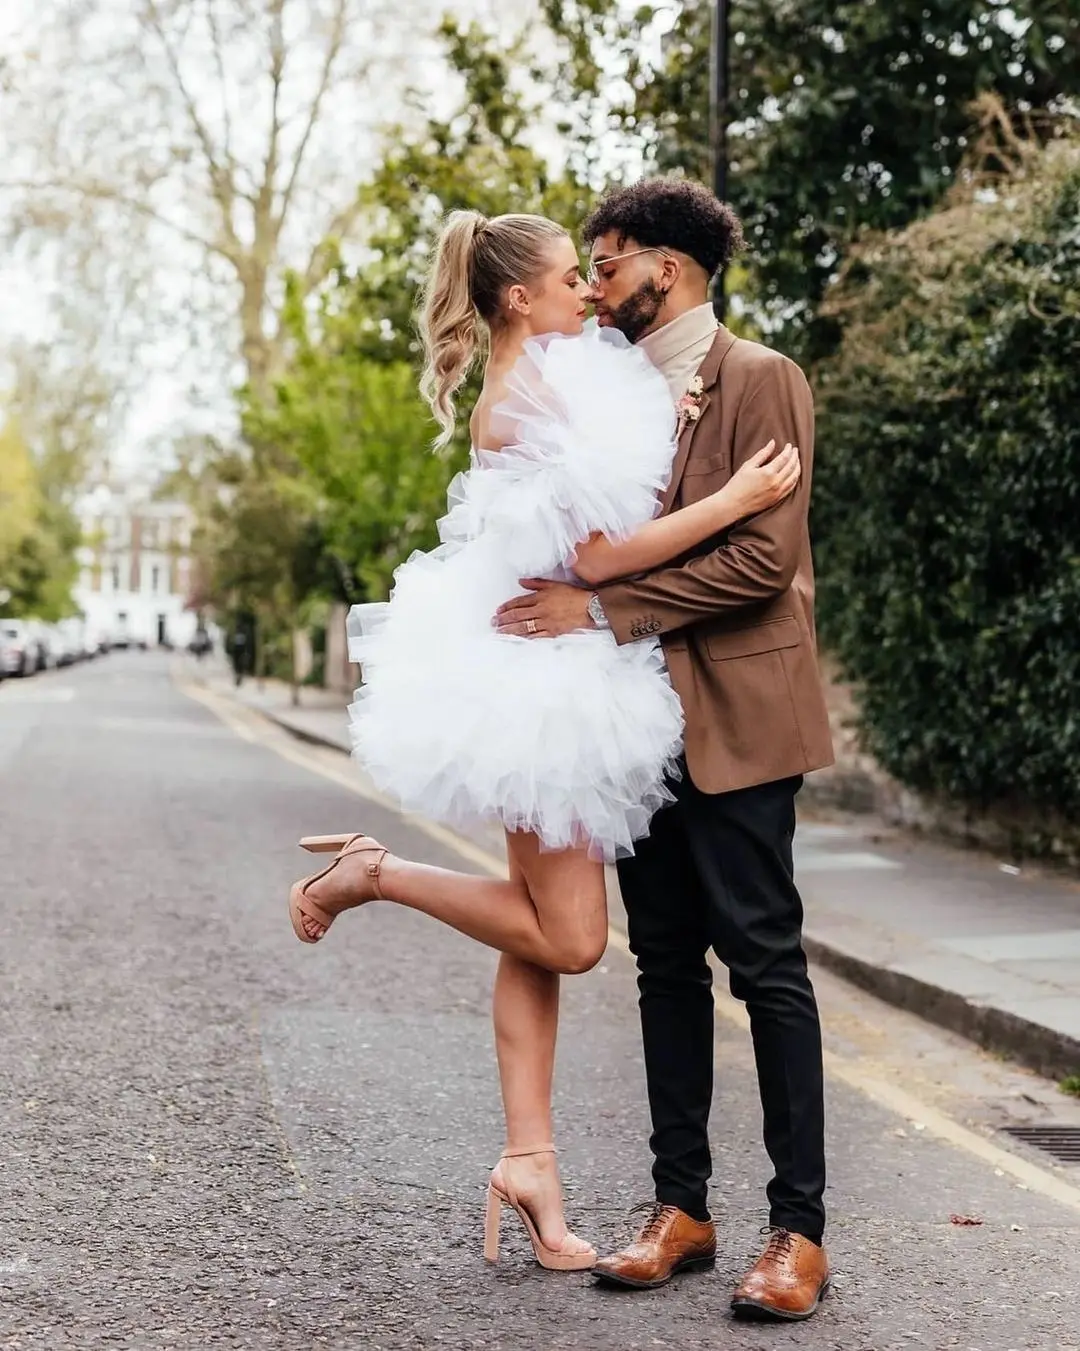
(770, 636)
(708, 464)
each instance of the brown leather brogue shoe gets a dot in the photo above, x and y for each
(669, 1241)
(787, 1281)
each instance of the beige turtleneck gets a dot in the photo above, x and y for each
(678, 348)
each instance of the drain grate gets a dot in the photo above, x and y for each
(1061, 1141)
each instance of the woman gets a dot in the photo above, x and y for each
(567, 742)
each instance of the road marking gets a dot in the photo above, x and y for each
(226, 712)
(850, 1072)
(53, 694)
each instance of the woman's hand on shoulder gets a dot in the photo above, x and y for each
(766, 478)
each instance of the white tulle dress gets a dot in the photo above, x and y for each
(569, 737)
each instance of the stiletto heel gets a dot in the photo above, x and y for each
(301, 904)
(492, 1218)
(552, 1259)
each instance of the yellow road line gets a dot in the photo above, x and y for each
(253, 726)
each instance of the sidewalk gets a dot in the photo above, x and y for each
(958, 937)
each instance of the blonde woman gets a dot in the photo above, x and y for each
(567, 742)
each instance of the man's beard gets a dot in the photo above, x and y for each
(637, 314)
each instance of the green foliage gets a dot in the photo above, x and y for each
(948, 490)
(19, 498)
(38, 532)
(844, 114)
(1071, 1085)
(478, 159)
(346, 412)
(359, 436)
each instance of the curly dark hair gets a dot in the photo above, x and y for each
(672, 213)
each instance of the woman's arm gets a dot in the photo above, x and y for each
(763, 481)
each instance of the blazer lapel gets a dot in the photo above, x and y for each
(682, 453)
(709, 371)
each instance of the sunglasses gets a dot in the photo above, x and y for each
(592, 276)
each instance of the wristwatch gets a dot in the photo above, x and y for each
(596, 612)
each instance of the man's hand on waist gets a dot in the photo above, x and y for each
(547, 610)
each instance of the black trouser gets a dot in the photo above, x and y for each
(716, 871)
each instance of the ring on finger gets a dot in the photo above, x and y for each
(530, 625)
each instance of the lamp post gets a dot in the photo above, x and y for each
(718, 113)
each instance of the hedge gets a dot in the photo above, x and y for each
(947, 501)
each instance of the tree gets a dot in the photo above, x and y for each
(845, 114)
(345, 410)
(220, 135)
(358, 434)
(18, 497)
(481, 158)
(53, 440)
(38, 532)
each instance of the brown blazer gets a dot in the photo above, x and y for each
(736, 616)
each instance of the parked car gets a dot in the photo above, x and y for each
(72, 638)
(46, 643)
(19, 652)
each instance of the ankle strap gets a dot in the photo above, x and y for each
(524, 1153)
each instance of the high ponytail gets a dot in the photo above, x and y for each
(476, 261)
(449, 318)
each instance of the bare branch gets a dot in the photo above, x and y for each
(267, 229)
(333, 51)
(321, 259)
(223, 83)
(221, 180)
(108, 192)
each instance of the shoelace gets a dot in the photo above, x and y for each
(656, 1211)
(781, 1242)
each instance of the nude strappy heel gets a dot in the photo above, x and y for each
(553, 1259)
(301, 904)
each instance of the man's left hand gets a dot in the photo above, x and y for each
(549, 610)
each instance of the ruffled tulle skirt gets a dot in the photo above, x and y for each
(571, 738)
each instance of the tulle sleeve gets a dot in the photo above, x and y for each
(588, 433)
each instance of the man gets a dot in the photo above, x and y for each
(735, 618)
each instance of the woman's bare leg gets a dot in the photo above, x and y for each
(551, 912)
(526, 1014)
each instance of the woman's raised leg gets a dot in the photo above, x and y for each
(551, 911)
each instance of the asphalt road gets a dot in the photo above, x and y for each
(212, 1136)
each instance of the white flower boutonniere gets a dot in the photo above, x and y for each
(689, 406)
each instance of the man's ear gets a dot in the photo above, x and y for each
(670, 272)
(518, 299)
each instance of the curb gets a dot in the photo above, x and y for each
(1042, 1049)
(300, 733)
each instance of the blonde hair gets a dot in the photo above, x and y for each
(476, 261)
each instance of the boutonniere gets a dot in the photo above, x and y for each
(689, 406)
